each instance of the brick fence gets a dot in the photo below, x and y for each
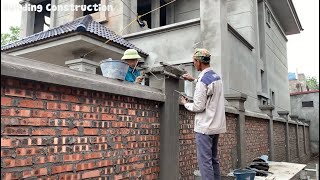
(75, 129)
(61, 132)
(70, 133)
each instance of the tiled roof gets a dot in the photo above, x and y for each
(84, 24)
(304, 92)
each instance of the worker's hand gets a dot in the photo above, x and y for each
(139, 79)
(183, 100)
(188, 77)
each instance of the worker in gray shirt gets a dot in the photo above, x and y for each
(210, 120)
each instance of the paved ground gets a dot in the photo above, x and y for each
(312, 165)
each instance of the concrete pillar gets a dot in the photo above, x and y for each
(155, 16)
(53, 14)
(170, 14)
(295, 118)
(268, 110)
(169, 126)
(237, 101)
(27, 20)
(214, 32)
(307, 123)
(304, 135)
(301, 123)
(284, 115)
(76, 14)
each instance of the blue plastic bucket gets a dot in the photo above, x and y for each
(115, 69)
(244, 174)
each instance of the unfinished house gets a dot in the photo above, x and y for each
(76, 124)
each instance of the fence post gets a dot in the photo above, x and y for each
(237, 101)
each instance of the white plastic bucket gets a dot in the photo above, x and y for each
(115, 69)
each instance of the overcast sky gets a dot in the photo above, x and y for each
(303, 54)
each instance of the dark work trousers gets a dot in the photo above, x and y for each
(207, 152)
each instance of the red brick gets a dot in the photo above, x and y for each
(18, 92)
(84, 166)
(30, 103)
(15, 131)
(40, 160)
(67, 131)
(70, 98)
(107, 117)
(5, 101)
(118, 177)
(53, 159)
(35, 172)
(44, 132)
(43, 113)
(57, 106)
(27, 151)
(72, 157)
(91, 174)
(88, 131)
(104, 163)
(82, 108)
(7, 152)
(119, 124)
(11, 176)
(93, 155)
(16, 112)
(117, 139)
(62, 168)
(47, 95)
(5, 142)
(91, 116)
(67, 114)
(131, 112)
(69, 176)
(133, 159)
(17, 162)
(34, 122)
(11, 82)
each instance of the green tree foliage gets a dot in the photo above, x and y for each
(12, 36)
(312, 83)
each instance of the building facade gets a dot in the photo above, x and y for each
(247, 40)
(306, 105)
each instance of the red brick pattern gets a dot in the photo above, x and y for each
(59, 132)
(228, 146)
(256, 138)
(293, 143)
(301, 141)
(279, 132)
(188, 151)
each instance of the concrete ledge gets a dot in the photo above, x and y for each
(292, 122)
(231, 110)
(257, 115)
(171, 27)
(240, 37)
(279, 119)
(44, 72)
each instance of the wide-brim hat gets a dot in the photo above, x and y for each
(131, 54)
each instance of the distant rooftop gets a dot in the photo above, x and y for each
(292, 76)
(304, 92)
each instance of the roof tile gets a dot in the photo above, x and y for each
(83, 24)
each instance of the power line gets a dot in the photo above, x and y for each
(129, 8)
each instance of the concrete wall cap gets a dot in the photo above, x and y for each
(283, 113)
(238, 96)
